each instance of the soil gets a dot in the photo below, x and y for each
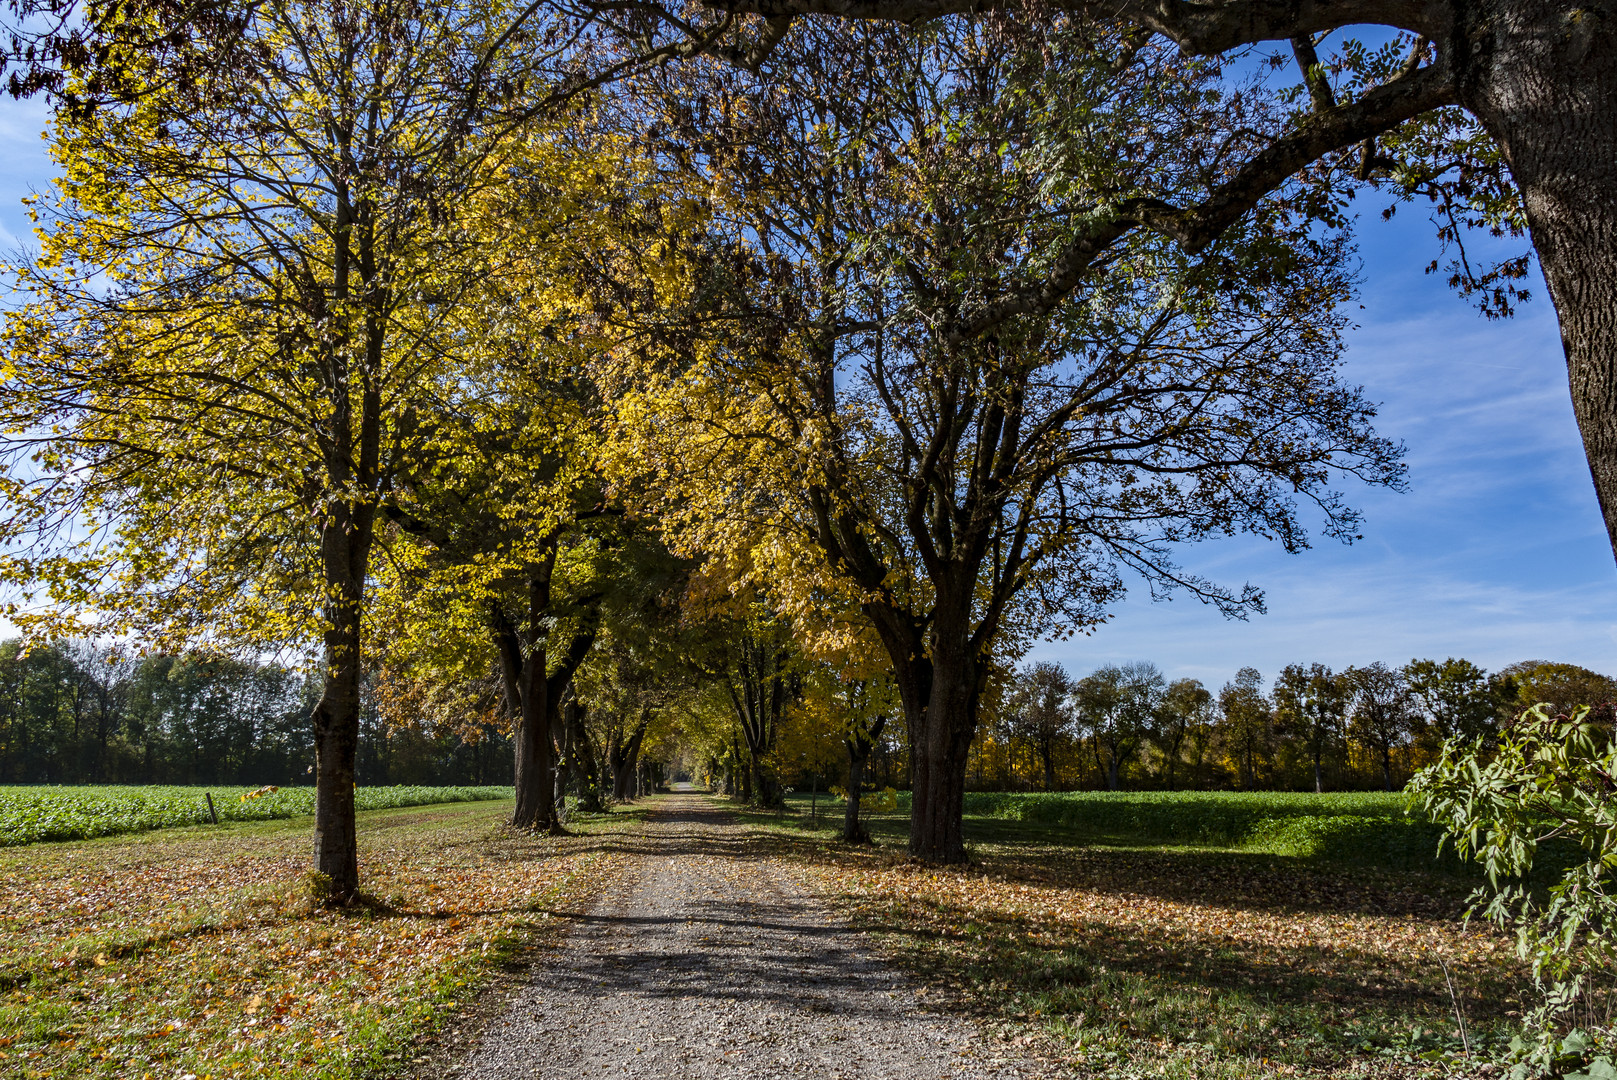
(705, 959)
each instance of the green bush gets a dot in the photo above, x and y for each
(1368, 827)
(31, 814)
(1550, 782)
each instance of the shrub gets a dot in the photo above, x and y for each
(1552, 779)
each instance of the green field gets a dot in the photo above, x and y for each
(1354, 826)
(31, 814)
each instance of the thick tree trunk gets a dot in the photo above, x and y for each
(536, 693)
(1048, 753)
(345, 555)
(947, 727)
(1541, 76)
(535, 754)
(1319, 773)
(765, 791)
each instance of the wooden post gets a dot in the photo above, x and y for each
(214, 814)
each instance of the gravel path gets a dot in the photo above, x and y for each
(706, 961)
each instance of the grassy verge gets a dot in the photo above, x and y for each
(1135, 958)
(196, 951)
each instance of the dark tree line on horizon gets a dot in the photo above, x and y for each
(70, 713)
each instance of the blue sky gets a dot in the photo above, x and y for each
(1495, 553)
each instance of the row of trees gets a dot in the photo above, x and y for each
(1314, 728)
(834, 363)
(73, 713)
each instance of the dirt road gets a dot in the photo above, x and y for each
(704, 960)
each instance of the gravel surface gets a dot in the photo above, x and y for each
(704, 960)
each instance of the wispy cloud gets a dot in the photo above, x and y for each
(1497, 552)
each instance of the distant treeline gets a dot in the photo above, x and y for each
(75, 713)
(1313, 729)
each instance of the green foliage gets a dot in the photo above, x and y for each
(32, 814)
(1346, 826)
(1551, 780)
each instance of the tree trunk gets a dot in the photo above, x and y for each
(765, 792)
(535, 692)
(625, 761)
(1113, 763)
(859, 746)
(586, 770)
(853, 830)
(1319, 773)
(1541, 77)
(345, 555)
(1048, 753)
(947, 728)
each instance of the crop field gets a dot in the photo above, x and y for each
(31, 814)
(1373, 827)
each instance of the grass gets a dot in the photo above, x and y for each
(197, 950)
(31, 814)
(1130, 956)
(1360, 827)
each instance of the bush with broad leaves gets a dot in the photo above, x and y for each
(1551, 781)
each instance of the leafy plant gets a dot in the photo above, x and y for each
(1551, 780)
(32, 814)
(1366, 827)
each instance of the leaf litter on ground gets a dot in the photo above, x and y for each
(201, 953)
(1156, 960)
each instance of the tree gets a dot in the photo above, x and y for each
(872, 703)
(1184, 716)
(972, 487)
(1117, 706)
(1455, 699)
(747, 652)
(1246, 723)
(1383, 711)
(1040, 706)
(1563, 687)
(242, 309)
(1311, 703)
(1499, 111)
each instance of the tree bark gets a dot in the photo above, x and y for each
(345, 555)
(586, 771)
(1541, 77)
(535, 777)
(947, 727)
(534, 693)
